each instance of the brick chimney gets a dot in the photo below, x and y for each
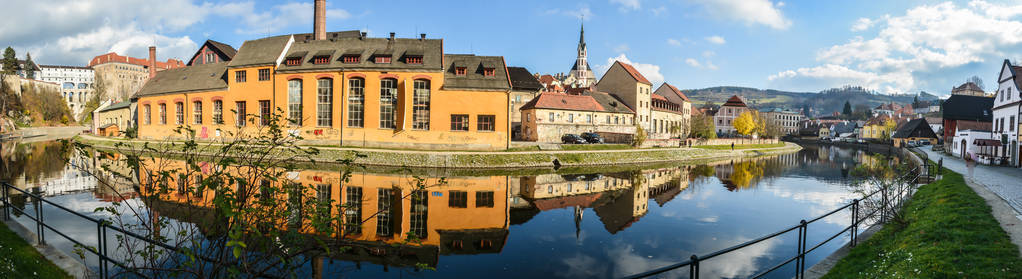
(319, 21)
(152, 61)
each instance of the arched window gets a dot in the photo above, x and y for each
(420, 107)
(294, 101)
(324, 102)
(388, 100)
(356, 102)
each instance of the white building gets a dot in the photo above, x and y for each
(76, 84)
(1006, 111)
(965, 142)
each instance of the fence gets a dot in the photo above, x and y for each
(100, 250)
(888, 202)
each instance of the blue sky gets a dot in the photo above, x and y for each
(890, 46)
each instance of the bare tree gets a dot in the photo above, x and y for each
(978, 81)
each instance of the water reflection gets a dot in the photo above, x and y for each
(601, 224)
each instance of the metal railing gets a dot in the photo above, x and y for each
(886, 201)
(101, 250)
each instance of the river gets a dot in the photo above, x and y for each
(538, 224)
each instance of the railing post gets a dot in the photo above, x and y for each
(855, 221)
(99, 249)
(693, 269)
(106, 264)
(7, 203)
(39, 220)
(800, 264)
(883, 205)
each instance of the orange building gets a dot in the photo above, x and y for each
(347, 89)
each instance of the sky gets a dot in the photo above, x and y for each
(903, 46)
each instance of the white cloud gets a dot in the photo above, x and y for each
(863, 24)
(693, 63)
(265, 21)
(650, 71)
(627, 4)
(711, 66)
(716, 40)
(918, 50)
(709, 53)
(761, 12)
(673, 42)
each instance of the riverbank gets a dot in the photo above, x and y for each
(950, 233)
(34, 134)
(502, 159)
(18, 259)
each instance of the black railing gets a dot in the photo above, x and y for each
(100, 250)
(799, 258)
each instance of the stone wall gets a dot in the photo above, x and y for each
(729, 141)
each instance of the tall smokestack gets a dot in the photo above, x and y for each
(319, 22)
(152, 61)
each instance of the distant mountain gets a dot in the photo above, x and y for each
(823, 103)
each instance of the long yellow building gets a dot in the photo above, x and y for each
(344, 89)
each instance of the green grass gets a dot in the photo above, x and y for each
(20, 260)
(741, 146)
(951, 234)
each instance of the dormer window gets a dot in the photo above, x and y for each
(382, 60)
(489, 72)
(413, 60)
(294, 61)
(350, 59)
(461, 71)
(321, 60)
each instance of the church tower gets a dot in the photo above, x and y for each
(581, 73)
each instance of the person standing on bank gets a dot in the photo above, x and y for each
(970, 163)
(732, 146)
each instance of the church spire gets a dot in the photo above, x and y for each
(582, 36)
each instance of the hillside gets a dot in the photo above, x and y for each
(822, 103)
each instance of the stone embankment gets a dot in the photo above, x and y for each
(505, 160)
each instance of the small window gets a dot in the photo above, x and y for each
(489, 72)
(294, 61)
(461, 71)
(240, 114)
(414, 60)
(240, 76)
(486, 123)
(484, 199)
(179, 113)
(458, 199)
(197, 112)
(321, 60)
(350, 59)
(264, 74)
(382, 60)
(459, 122)
(264, 112)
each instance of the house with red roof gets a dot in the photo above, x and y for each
(550, 115)
(664, 115)
(725, 117)
(671, 113)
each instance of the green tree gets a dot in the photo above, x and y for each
(703, 127)
(640, 136)
(745, 124)
(29, 66)
(10, 62)
(99, 89)
(848, 109)
(10, 67)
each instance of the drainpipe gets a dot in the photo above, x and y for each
(344, 83)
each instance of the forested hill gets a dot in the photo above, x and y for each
(824, 102)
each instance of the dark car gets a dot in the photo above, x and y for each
(572, 139)
(592, 137)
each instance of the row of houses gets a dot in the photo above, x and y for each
(986, 126)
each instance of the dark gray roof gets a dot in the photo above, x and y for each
(964, 107)
(843, 127)
(609, 102)
(226, 49)
(117, 106)
(521, 79)
(187, 79)
(475, 79)
(430, 50)
(917, 128)
(260, 52)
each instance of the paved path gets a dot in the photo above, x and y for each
(1006, 182)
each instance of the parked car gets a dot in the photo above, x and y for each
(924, 142)
(592, 137)
(572, 139)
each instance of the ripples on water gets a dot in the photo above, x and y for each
(571, 225)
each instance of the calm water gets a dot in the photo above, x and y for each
(568, 225)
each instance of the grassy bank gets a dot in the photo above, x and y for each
(951, 234)
(20, 260)
(741, 146)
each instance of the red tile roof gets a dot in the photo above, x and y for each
(635, 73)
(734, 101)
(658, 97)
(546, 79)
(114, 57)
(676, 91)
(569, 201)
(551, 100)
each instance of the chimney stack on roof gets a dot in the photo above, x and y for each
(391, 36)
(319, 21)
(152, 61)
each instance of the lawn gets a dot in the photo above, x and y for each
(20, 260)
(741, 146)
(951, 234)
